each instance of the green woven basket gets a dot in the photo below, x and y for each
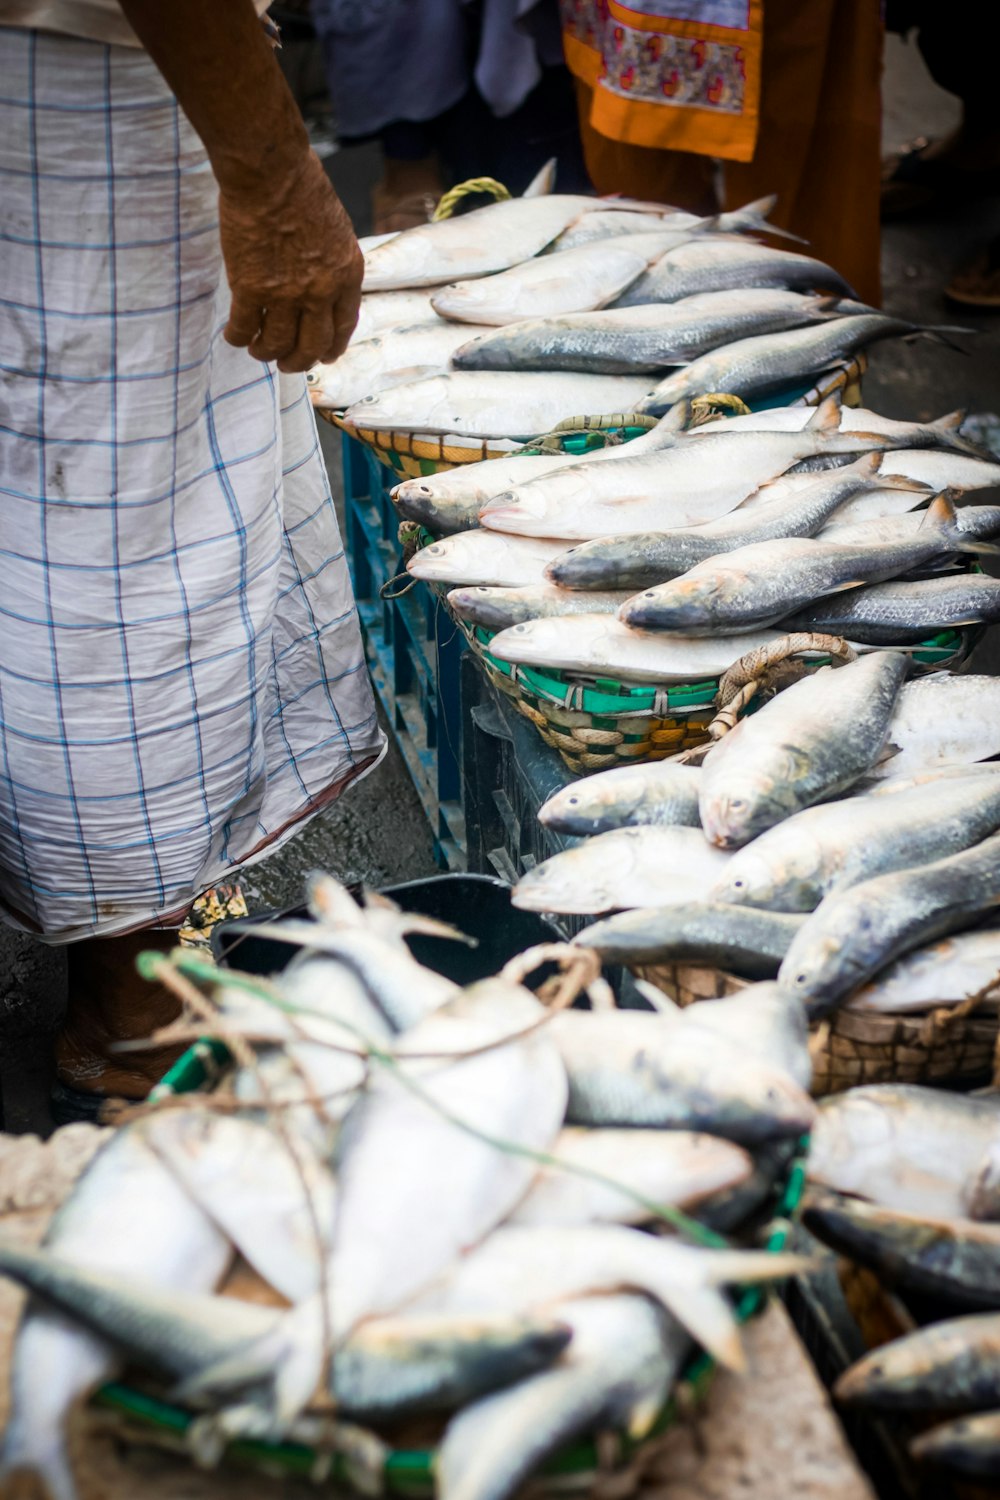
(411, 1470)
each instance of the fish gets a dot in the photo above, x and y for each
(757, 366)
(601, 646)
(391, 357)
(648, 558)
(762, 1021)
(739, 940)
(909, 1148)
(478, 243)
(953, 1365)
(629, 340)
(904, 612)
(451, 500)
(403, 1156)
(942, 470)
(382, 310)
(809, 742)
(658, 792)
(488, 404)
(697, 267)
(695, 480)
(636, 1068)
(944, 973)
(943, 719)
(794, 865)
(618, 1372)
(497, 609)
(624, 868)
(485, 558)
(125, 1210)
(666, 1167)
(268, 1193)
(854, 933)
(609, 225)
(764, 582)
(954, 1259)
(390, 1368)
(566, 281)
(969, 1444)
(941, 433)
(976, 521)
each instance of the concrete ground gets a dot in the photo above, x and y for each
(378, 833)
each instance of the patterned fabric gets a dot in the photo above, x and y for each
(681, 75)
(182, 678)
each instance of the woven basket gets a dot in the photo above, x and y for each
(596, 723)
(852, 1047)
(413, 455)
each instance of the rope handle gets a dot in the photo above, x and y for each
(453, 197)
(744, 679)
(553, 442)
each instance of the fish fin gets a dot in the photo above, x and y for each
(642, 1415)
(826, 417)
(941, 513)
(951, 421)
(940, 333)
(826, 304)
(888, 752)
(708, 1317)
(754, 216)
(543, 181)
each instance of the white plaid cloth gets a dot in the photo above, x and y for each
(182, 679)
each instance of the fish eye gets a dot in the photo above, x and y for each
(572, 801)
(737, 885)
(802, 979)
(312, 377)
(735, 802)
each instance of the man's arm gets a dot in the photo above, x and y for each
(291, 257)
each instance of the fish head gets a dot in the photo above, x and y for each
(577, 881)
(748, 881)
(968, 1444)
(462, 300)
(685, 603)
(582, 812)
(765, 1103)
(436, 563)
(491, 608)
(747, 803)
(898, 1375)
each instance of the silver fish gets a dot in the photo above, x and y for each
(609, 225)
(624, 868)
(976, 521)
(765, 582)
(757, 366)
(382, 310)
(601, 646)
(126, 1210)
(629, 1068)
(485, 557)
(658, 792)
(451, 501)
(943, 470)
(741, 941)
(628, 340)
(761, 1021)
(915, 1149)
(944, 973)
(949, 1366)
(650, 558)
(618, 1371)
(496, 608)
(905, 612)
(944, 719)
(696, 267)
(853, 934)
(487, 404)
(664, 1167)
(695, 480)
(568, 281)
(794, 865)
(392, 357)
(968, 1444)
(474, 244)
(811, 741)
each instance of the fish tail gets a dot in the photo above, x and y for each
(754, 216)
(941, 333)
(729, 1267)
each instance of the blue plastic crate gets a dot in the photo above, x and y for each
(413, 649)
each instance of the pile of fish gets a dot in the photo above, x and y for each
(445, 1191)
(824, 846)
(666, 558)
(591, 306)
(905, 1184)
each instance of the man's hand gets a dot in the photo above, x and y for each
(293, 263)
(294, 269)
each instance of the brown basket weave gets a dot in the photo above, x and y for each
(852, 1047)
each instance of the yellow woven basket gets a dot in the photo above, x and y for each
(851, 1047)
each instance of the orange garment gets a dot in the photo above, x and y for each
(816, 132)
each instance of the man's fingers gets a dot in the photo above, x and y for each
(279, 332)
(345, 315)
(315, 340)
(245, 315)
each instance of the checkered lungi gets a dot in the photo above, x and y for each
(182, 679)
